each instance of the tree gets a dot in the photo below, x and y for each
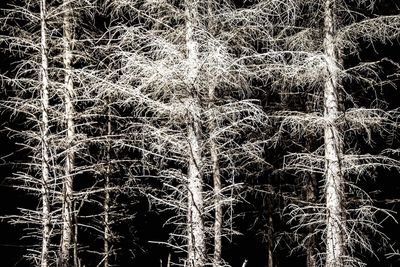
(47, 104)
(32, 87)
(334, 180)
(67, 202)
(348, 210)
(190, 97)
(46, 219)
(160, 106)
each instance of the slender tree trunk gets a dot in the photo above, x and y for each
(46, 223)
(107, 233)
(311, 243)
(106, 222)
(216, 174)
(217, 192)
(335, 247)
(196, 234)
(270, 233)
(311, 197)
(67, 212)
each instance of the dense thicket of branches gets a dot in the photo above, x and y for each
(202, 133)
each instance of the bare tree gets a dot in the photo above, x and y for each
(46, 219)
(312, 50)
(195, 89)
(169, 100)
(33, 87)
(47, 103)
(67, 202)
(334, 180)
(195, 232)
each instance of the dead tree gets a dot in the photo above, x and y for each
(191, 106)
(312, 50)
(46, 219)
(49, 116)
(32, 87)
(67, 197)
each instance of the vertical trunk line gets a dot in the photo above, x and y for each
(311, 242)
(196, 234)
(67, 212)
(217, 194)
(270, 232)
(196, 251)
(107, 233)
(311, 198)
(46, 220)
(335, 247)
(216, 174)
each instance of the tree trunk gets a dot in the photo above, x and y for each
(67, 212)
(196, 234)
(217, 203)
(196, 246)
(107, 233)
(106, 222)
(217, 192)
(216, 174)
(311, 187)
(270, 232)
(335, 247)
(46, 223)
(311, 198)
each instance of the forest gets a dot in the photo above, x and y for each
(194, 133)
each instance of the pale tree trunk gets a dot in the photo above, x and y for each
(106, 222)
(196, 234)
(107, 232)
(216, 174)
(311, 189)
(44, 142)
(335, 247)
(217, 203)
(217, 191)
(311, 243)
(67, 211)
(270, 233)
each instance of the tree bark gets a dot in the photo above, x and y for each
(196, 246)
(196, 234)
(334, 180)
(46, 219)
(67, 211)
